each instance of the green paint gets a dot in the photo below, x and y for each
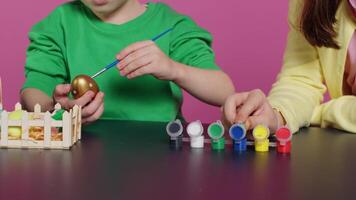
(218, 144)
(215, 131)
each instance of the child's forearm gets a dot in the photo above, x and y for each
(210, 86)
(31, 96)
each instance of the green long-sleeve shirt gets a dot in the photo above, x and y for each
(72, 41)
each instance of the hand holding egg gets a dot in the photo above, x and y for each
(86, 94)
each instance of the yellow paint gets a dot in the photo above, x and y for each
(262, 146)
(260, 132)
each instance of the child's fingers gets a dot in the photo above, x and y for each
(133, 56)
(231, 104)
(63, 101)
(253, 102)
(136, 64)
(134, 47)
(148, 69)
(253, 121)
(259, 111)
(61, 90)
(225, 122)
(94, 116)
(83, 100)
(94, 105)
(60, 95)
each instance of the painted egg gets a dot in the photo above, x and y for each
(15, 131)
(83, 83)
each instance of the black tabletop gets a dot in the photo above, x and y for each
(132, 160)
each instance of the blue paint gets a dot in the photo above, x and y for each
(237, 132)
(240, 145)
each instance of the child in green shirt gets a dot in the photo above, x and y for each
(81, 37)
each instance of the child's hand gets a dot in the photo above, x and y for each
(251, 108)
(146, 58)
(92, 105)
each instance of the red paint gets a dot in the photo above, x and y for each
(284, 136)
(284, 148)
(283, 133)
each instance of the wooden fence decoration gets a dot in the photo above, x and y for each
(39, 130)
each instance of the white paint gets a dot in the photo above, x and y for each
(195, 129)
(197, 142)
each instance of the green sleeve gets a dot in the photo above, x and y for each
(191, 45)
(45, 64)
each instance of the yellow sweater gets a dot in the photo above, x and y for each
(308, 71)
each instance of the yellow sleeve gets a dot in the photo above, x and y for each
(299, 87)
(338, 113)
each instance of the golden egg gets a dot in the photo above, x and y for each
(83, 83)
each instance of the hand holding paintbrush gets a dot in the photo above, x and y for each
(85, 90)
(134, 57)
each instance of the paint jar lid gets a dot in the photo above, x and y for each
(260, 132)
(237, 131)
(216, 130)
(195, 129)
(283, 134)
(174, 128)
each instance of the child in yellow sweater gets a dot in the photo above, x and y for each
(320, 55)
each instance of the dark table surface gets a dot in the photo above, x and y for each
(132, 160)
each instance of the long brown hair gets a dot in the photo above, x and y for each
(317, 22)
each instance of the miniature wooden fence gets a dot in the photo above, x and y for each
(70, 125)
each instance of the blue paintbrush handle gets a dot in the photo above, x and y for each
(112, 64)
(117, 61)
(162, 34)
